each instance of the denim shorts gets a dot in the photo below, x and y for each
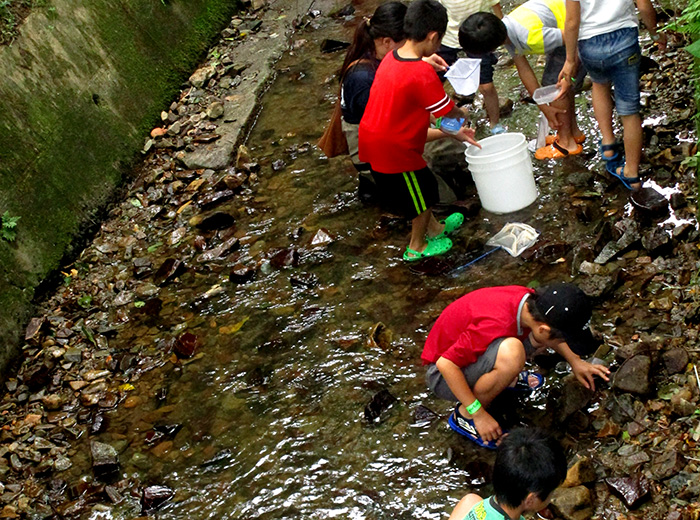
(614, 58)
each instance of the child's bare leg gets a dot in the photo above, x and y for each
(488, 90)
(464, 506)
(564, 132)
(434, 227)
(510, 361)
(603, 109)
(632, 127)
(419, 227)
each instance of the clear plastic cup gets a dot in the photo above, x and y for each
(544, 95)
(451, 125)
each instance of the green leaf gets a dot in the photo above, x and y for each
(89, 335)
(154, 247)
(136, 203)
(694, 48)
(85, 300)
(626, 436)
(138, 304)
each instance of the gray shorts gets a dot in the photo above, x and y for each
(483, 365)
(554, 64)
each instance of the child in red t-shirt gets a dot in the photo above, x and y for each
(478, 346)
(395, 127)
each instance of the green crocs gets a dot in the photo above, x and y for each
(451, 223)
(435, 247)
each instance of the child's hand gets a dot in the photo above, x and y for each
(439, 64)
(466, 135)
(551, 114)
(585, 373)
(487, 426)
(568, 71)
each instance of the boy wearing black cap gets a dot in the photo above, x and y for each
(478, 347)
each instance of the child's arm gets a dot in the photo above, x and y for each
(487, 426)
(465, 505)
(527, 76)
(583, 370)
(571, 26)
(648, 16)
(497, 10)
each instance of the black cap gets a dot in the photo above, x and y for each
(566, 307)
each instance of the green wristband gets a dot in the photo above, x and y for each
(474, 407)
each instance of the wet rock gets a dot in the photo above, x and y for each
(241, 274)
(303, 280)
(423, 415)
(221, 456)
(609, 429)
(202, 75)
(573, 503)
(52, 401)
(675, 360)
(347, 10)
(212, 199)
(285, 258)
(33, 328)
(105, 459)
(321, 238)
(329, 45)
(37, 377)
(649, 203)
(574, 397)
(581, 472)
(678, 201)
(220, 251)
(233, 180)
(278, 165)
(215, 110)
(214, 222)
(155, 496)
(632, 490)
(170, 269)
(599, 285)
(612, 249)
(656, 241)
(633, 375)
(380, 402)
(99, 424)
(666, 464)
(186, 345)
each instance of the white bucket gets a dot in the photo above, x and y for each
(502, 172)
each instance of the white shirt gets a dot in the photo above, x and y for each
(604, 16)
(457, 12)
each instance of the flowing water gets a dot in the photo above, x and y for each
(273, 412)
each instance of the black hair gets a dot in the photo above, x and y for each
(538, 315)
(482, 33)
(386, 22)
(529, 460)
(423, 17)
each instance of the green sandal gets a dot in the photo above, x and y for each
(434, 248)
(451, 223)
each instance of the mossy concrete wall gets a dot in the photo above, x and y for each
(79, 90)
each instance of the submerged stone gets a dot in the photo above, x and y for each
(171, 268)
(186, 345)
(105, 459)
(424, 415)
(241, 274)
(329, 45)
(380, 402)
(304, 280)
(155, 496)
(215, 221)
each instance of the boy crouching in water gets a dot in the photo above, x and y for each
(529, 466)
(478, 346)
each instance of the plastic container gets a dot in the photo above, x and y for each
(463, 75)
(544, 95)
(451, 125)
(502, 172)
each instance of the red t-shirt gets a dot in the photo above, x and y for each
(397, 117)
(468, 325)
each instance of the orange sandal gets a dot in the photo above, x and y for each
(553, 137)
(555, 151)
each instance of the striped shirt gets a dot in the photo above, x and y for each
(457, 12)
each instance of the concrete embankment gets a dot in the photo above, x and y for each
(79, 90)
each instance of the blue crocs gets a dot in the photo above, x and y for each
(466, 428)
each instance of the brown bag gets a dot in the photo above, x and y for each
(333, 141)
